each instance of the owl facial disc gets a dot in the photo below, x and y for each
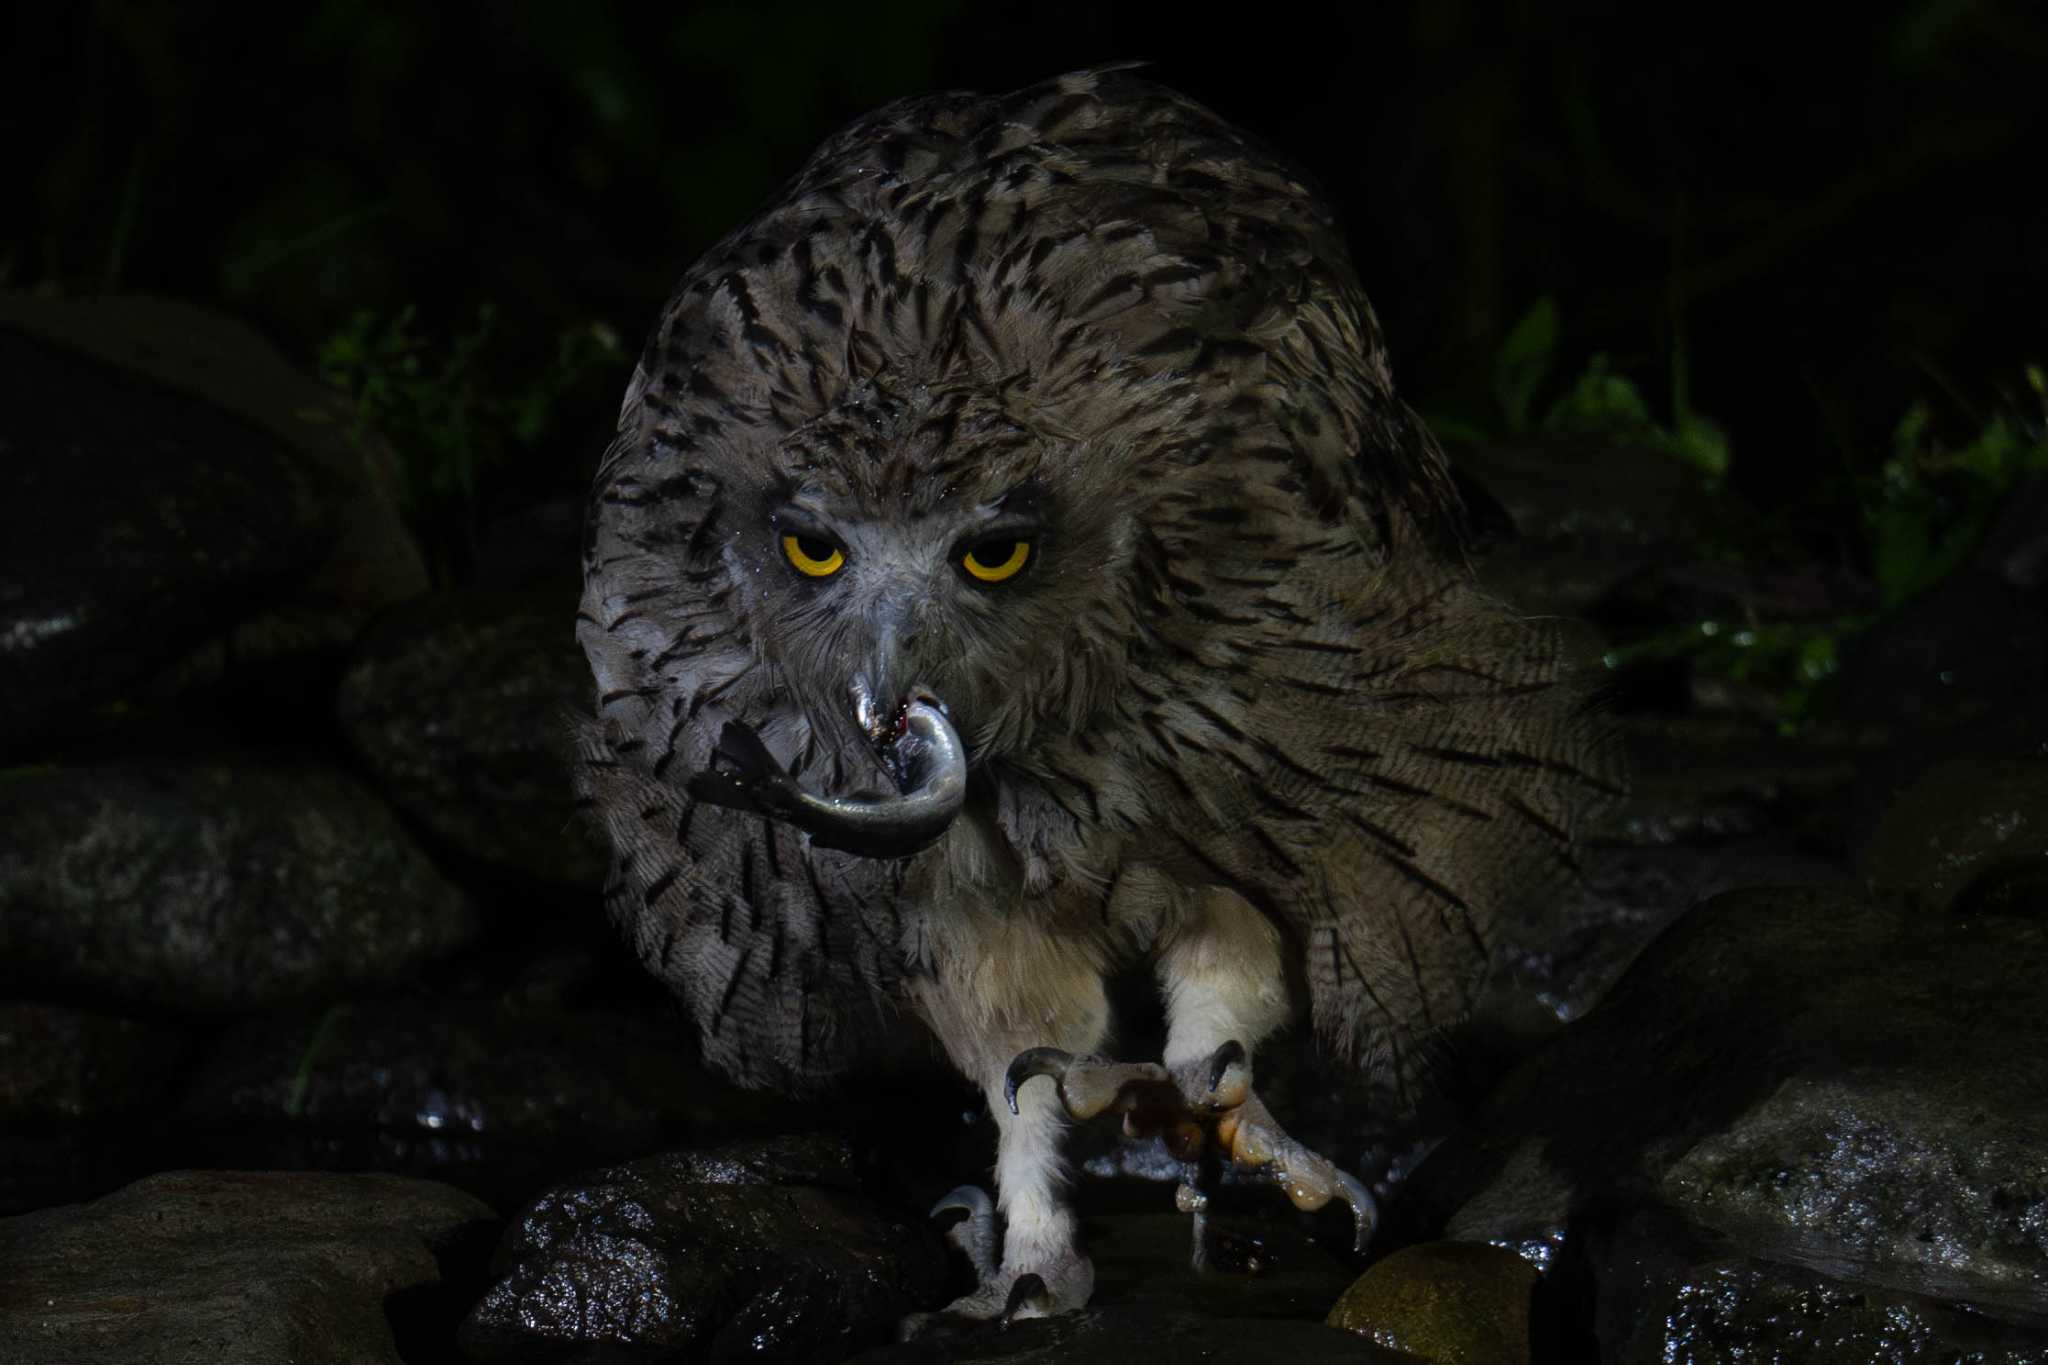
(925, 756)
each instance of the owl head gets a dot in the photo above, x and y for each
(1000, 398)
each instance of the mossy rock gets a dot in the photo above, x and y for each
(1449, 1303)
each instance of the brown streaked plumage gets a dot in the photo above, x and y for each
(1242, 712)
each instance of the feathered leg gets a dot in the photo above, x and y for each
(1014, 990)
(1226, 990)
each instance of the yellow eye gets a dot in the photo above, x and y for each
(992, 561)
(817, 558)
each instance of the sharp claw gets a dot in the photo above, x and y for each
(1036, 1061)
(971, 1200)
(1220, 1060)
(974, 1235)
(1027, 1287)
(1365, 1210)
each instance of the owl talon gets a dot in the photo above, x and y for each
(1257, 1143)
(1028, 1290)
(1221, 1061)
(1087, 1085)
(1035, 1061)
(974, 1235)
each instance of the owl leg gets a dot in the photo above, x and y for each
(1246, 1130)
(1226, 990)
(1042, 1270)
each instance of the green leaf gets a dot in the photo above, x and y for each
(1701, 444)
(1524, 362)
(1600, 400)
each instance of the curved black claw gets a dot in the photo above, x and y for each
(974, 1235)
(1220, 1061)
(1034, 1061)
(1027, 1287)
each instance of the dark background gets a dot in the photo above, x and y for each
(1797, 218)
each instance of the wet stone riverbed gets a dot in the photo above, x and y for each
(315, 1045)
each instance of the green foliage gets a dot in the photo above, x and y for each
(1790, 661)
(1931, 502)
(448, 414)
(1600, 402)
(1918, 517)
(1524, 362)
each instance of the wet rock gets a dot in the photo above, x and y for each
(1149, 1304)
(208, 520)
(461, 704)
(494, 1096)
(134, 521)
(1119, 1336)
(74, 1087)
(236, 1267)
(61, 1063)
(1969, 833)
(1972, 646)
(1671, 1292)
(1453, 1303)
(212, 886)
(764, 1250)
(1855, 1088)
(1714, 804)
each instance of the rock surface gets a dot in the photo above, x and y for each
(763, 1250)
(229, 1268)
(1452, 1303)
(497, 1096)
(62, 1063)
(133, 522)
(460, 705)
(212, 886)
(1150, 1305)
(1672, 1293)
(1969, 833)
(1855, 1088)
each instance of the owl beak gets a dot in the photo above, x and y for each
(876, 720)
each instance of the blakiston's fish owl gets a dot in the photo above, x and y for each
(1014, 560)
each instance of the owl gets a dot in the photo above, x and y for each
(1014, 564)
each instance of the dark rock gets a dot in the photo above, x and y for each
(763, 1250)
(1670, 1292)
(133, 522)
(1452, 1303)
(1107, 1336)
(60, 1063)
(1714, 804)
(218, 886)
(1150, 1305)
(461, 704)
(1857, 1089)
(183, 508)
(494, 1096)
(233, 1267)
(1972, 646)
(1965, 834)
(1587, 516)
(73, 1085)
(56, 1163)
